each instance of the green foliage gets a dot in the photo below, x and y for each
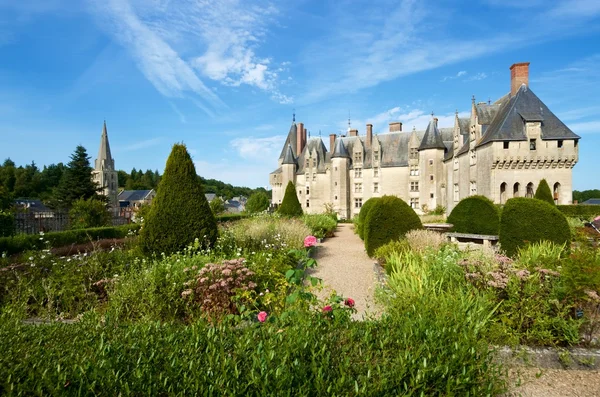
(585, 195)
(390, 218)
(438, 210)
(475, 215)
(290, 206)
(85, 214)
(525, 221)
(24, 242)
(180, 212)
(6, 200)
(258, 202)
(362, 216)
(217, 206)
(580, 211)
(231, 217)
(543, 192)
(395, 247)
(320, 225)
(7, 223)
(76, 181)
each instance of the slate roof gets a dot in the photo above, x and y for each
(134, 195)
(339, 149)
(32, 205)
(104, 154)
(432, 138)
(289, 157)
(315, 148)
(509, 122)
(592, 201)
(290, 140)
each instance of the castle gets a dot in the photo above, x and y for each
(502, 150)
(105, 174)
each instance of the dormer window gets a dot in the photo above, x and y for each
(532, 144)
(560, 143)
(506, 143)
(357, 157)
(376, 155)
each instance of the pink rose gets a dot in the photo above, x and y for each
(327, 309)
(349, 302)
(310, 241)
(262, 316)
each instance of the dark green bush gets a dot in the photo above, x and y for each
(7, 224)
(543, 192)
(389, 219)
(258, 202)
(526, 221)
(290, 206)
(362, 215)
(180, 212)
(85, 214)
(230, 217)
(580, 211)
(475, 215)
(23, 242)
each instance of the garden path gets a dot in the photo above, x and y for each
(345, 268)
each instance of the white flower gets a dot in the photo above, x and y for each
(31, 258)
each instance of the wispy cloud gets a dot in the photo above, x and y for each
(258, 149)
(459, 74)
(475, 77)
(178, 112)
(588, 127)
(140, 145)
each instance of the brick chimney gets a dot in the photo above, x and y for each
(300, 139)
(304, 139)
(519, 74)
(369, 134)
(396, 126)
(331, 142)
(353, 133)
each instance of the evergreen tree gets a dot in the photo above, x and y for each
(543, 192)
(76, 182)
(258, 202)
(180, 212)
(290, 206)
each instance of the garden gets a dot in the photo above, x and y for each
(182, 304)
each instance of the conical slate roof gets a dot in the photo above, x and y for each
(339, 149)
(288, 157)
(432, 138)
(104, 156)
(290, 140)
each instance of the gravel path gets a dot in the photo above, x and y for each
(345, 268)
(533, 382)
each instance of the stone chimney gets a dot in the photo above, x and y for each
(396, 126)
(519, 75)
(331, 142)
(304, 139)
(300, 139)
(353, 133)
(369, 134)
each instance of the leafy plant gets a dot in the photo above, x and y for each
(85, 214)
(258, 202)
(7, 224)
(320, 225)
(217, 206)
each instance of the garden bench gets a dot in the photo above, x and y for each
(438, 227)
(488, 241)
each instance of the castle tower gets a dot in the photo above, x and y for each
(105, 174)
(289, 166)
(431, 157)
(340, 179)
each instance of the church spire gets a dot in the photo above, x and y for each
(104, 160)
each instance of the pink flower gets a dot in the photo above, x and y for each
(262, 316)
(327, 309)
(310, 241)
(349, 302)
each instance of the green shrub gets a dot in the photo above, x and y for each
(23, 242)
(383, 253)
(390, 218)
(231, 217)
(580, 211)
(258, 202)
(526, 221)
(543, 192)
(217, 206)
(85, 214)
(180, 212)
(7, 224)
(290, 206)
(362, 215)
(475, 215)
(320, 225)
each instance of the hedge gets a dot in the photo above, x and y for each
(476, 215)
(23, 242)
(7, 224)
(362, 216)
(389, 219)
(579, 211)
(527, 220)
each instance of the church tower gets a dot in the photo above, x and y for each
(105, 174)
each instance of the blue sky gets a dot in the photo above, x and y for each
(224, 76)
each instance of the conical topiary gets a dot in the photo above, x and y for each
(290, 206)
(180, 212)
(543, 192)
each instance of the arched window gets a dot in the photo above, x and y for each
(556, 192)
(516, 189)
(530, 191)
(502, 192)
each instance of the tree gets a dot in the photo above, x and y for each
(6, 200)
(543, 192)
(180, 212)
(217, 206)
(76, 182)
(88, 213)
(258, 202)
(290, 206)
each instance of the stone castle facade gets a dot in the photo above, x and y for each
(105, 174)
(501, 151)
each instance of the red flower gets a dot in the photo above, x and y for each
(327, 309)
(349, 302)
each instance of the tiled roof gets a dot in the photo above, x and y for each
(133, 195)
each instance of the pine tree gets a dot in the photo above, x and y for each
(290, 206)
(76, 182)
(543, 192)
(180, 212)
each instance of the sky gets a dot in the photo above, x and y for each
(225, 76)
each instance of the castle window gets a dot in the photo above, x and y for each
(376, 172)
(299, 192)
(358, 188)
(431, 178)
(335, 183)
(559, 143)
(358, 172)
(456, 193)
(357, 202)
(306, 177)
(314, 177)
(376, 155)
(414, 170)
(376, 187)
(430, 162)
(414, 153)
(414, 186)
(335, 168)
(307, 162)
(307, 203)
(506, 144)
(532, 144)
(357, 157)
(431, 195)
(473, 188)
(576, 142)
(335, 197)
(414, 203)
(314, 162)
(307, 190)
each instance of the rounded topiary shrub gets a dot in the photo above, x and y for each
(390, 218)
(290, 206)
(180, 212)
(543, 192)
(362, 215)
(476, 215)
(526, 220)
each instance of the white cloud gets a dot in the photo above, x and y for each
(588, 127)
(459, 74)
(258, 149)
(478, 76)
(140, 145)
